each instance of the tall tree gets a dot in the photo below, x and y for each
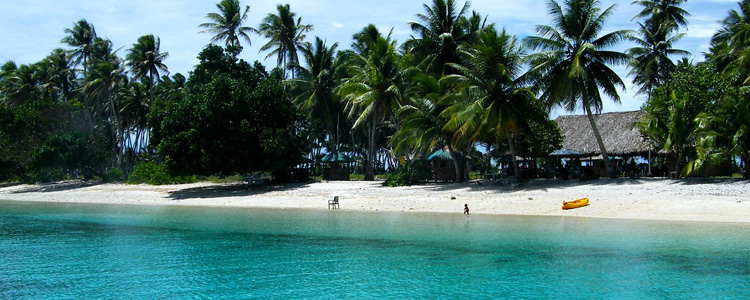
(572, 67)
(82, 37)
(651, 63)
(663, 12)
(373, 90)
(106, 79)
(315, 87)
(439, 31)
(285, 36)
(731, 44)
(424, 127)
(146, 58)
(488, 78)
(227, 24)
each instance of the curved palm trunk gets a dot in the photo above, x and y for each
(369, 174)
(513, 155)
(456, 164)
(598, 136)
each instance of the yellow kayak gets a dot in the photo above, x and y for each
(575, 204)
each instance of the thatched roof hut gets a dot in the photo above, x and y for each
(619, 136)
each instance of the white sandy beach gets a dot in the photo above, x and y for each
(719, 200)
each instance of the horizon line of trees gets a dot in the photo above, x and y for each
(456, 82)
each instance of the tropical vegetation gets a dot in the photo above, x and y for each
(458, 82)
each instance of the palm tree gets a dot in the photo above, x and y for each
(366, 37)
(731, 44)
(61, 77)
(285, 36)
(488, 78)
(672, 125)
(226, 25)
(134, 112)
(424, 123)
(572, 67)
(651, 64)
(373, 92)
(82, 37)
(666, 13)
(107, 77)
(23, 84)
(315, 86)
(440, 30)
(146, 58)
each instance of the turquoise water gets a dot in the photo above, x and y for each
(65, 251)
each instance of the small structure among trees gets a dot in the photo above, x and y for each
(338, 166)
(620, 136)
(442, 165)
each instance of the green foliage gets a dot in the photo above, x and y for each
(114, 175)
(156, 174)
(70, 150)
(573, 69)
(234, 118)
(672, 113)
(413, 172)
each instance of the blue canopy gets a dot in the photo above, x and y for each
(565, 152)
(336, 157)
(442, 155)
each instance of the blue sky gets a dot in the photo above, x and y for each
(33, 28)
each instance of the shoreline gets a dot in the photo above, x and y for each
(691, 200)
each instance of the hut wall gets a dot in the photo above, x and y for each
(336, 173)
(443, 170)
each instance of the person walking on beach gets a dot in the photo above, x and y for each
(466, 209)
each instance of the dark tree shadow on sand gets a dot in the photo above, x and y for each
(239, 189)
(56, 187)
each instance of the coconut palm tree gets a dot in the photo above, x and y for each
(731, 44)
(315, 86)
(366, 37)
(82, 37)
(373, 90)
(146, 58)
(107, 78)
(651, 64)
(23, 84)
(423, 128)
(227, 24)
(60, 76)
(134, 111)
(666, 13)
(572, 67)
(439, 32)
(285, 36)
(488, 80)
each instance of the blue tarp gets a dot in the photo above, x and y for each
(336, 157)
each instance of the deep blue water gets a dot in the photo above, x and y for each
(71, 251)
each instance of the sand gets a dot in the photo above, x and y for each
(712, 200)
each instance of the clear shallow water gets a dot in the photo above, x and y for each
(64, 251)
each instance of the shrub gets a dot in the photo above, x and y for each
(155, 174)
(113, 175)
(412, 173)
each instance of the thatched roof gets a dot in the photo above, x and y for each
(618, 133)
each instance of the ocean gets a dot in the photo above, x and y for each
(84, 251)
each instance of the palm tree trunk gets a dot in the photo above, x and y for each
(456, 164)
(488, 167)
(369, 174)
(512, 147)
(598, 136)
